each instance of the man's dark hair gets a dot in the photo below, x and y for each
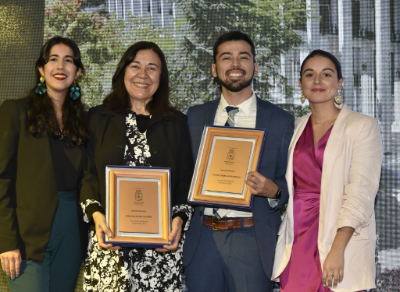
(233, 36)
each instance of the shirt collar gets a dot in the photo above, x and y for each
(246, 107)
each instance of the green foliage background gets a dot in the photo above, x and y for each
(102, 38)
(269, 23)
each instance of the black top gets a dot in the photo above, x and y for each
(142, 122)
(65, 173)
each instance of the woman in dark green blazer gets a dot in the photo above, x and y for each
(42, 156)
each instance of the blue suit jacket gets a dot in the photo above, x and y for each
(279, 125)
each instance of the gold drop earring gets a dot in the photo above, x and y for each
(303, 98)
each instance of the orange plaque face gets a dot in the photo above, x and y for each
(228, 167)
(226, 154)
(139, 204)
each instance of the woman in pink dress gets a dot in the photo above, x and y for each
(327, 238)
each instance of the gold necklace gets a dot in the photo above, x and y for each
(325, 120)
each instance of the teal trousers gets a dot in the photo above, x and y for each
(60, 268)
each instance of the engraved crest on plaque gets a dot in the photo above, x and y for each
(138, 195)
(230, 155)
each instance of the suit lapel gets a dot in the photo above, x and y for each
(263, 114)
(332, 150)
(210, 112)
(207, 117)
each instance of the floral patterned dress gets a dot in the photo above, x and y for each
(134, 269)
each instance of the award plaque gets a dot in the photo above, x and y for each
(226, 155)
(138, 205)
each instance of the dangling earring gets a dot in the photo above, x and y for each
(74, 91)
(303, 98)
(40, 88)
(338, 97)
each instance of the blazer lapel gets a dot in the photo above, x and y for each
(41, 144)
(114, 120)
(332, 149)
(118, 122)
(299, 128)
(113, 124)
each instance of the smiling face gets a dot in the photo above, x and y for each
(234, 66)
(60, 71)
(142, 76)
(319, 80)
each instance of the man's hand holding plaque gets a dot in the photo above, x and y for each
(261, 185)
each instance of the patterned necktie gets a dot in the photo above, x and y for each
(230, 122)
(232, 111)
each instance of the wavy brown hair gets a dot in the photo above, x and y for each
(41, 112)
(118, 100)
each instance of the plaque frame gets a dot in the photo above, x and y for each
(162, 175)
(197, 194)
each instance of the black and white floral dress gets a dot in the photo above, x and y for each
(134, 269)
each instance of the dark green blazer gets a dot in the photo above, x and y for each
(28, 191)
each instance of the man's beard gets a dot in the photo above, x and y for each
(236, 85)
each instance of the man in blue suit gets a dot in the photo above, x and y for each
(238, 255)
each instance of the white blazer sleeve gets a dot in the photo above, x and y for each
(365, 166)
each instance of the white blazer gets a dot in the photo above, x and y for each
(349, 184)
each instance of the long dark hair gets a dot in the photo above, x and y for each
(325, 54)
(41, 113)
(118, 100)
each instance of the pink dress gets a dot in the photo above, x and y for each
(303, 272)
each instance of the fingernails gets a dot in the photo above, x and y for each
(13, 279)
(5, 272)
(8, 277)
(16, 276)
